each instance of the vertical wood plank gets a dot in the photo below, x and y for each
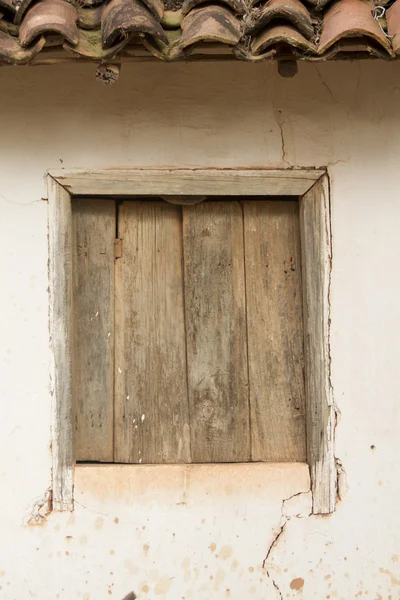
(275, 330)
(151, 404)
(61, 332)
(94, 230)
(321, 417)
(216, 332)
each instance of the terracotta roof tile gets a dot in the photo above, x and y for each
(290, 11)
(237, 6)
(351, 19)
(281, 34)
(20, 9)
(124, 17)
(49, 16)
(102, 30)
(210, 24)
(12, 52)
(90, 46)
(393, 22)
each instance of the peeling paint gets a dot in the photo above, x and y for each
(40, 510)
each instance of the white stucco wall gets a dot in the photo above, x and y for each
(202, 533)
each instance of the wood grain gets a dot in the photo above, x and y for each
(151, 402)
(321, 418)
(316, 248)
(61, 332)
(215, 182)
(275, 330)
(216, 332)
(94, 227)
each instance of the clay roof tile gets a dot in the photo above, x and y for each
(123, 17)
(12, 52)
(253, 30)
(281, 34)
(291, 11)
(90, 46)
(354, 19)
(49, 16)
(237, 6)
(393, 23)
(210, 24)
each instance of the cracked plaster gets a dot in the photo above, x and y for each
(298, 506)
(341, 115)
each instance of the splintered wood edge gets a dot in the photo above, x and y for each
(60, 322)
(321, 419)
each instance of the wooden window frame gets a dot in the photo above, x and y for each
(310, 185)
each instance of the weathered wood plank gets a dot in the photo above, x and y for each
(316, 260)
(215, 182)
(94, 228)
(151, 403)
(216, 332)
(275, 330)
(61, 336)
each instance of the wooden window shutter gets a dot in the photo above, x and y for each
(94, 225)
(275, 330)
(198, 355)
(151, 400)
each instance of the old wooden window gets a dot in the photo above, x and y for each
(188, 331)
(75, 358)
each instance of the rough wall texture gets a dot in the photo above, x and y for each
(197, 534)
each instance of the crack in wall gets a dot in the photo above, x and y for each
(285, 518)
(9, 201)
(270, 549)
(326, 86)
(277, 589)
(94, 512)
(280, 122)
(341, 478)
(332, 96)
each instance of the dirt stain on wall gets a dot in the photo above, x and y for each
(162, 585)
(225, 552)
(393, 578)
(297, 583)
